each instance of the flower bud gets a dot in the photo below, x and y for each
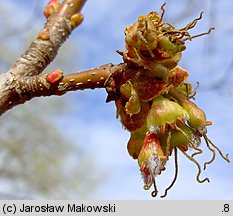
(151, 159)
(197, 117)
(164, 111)
(54, 76)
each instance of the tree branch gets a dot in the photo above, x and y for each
(41, 51)
(55, 83)
(71, 7)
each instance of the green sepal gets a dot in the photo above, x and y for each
(197, 117)
(165, 44)
(135, 142)
(164, 111)
(185, 89)
(133, 105)
(172, 61)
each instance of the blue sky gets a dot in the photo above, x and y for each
(92, 123)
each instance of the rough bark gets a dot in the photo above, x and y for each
(24, 80)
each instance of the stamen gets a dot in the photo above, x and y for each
(187, 91)
(137, 53)
(199, 151)
(193, 23)
(155, 192)
(175, 177)
(199, 168)
(139, 34)
(163, 11)
(198, 35)
(224, 157)
(184, 33)
(194, 142)
(179, 33)
(193, 93)
(212, 150)
(162, 129)
(167, 23)
(195, 89)
(151, 53)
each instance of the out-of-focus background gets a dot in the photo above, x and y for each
(72, 147)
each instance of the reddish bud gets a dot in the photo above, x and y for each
(44, 34)
(51, 8)
(54, 76)
(76, 20)
(151, 159)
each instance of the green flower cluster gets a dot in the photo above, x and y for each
(153, 99)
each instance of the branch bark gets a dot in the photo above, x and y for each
(55, 83)
(39, 54)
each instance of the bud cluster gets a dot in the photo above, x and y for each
(153, 99)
